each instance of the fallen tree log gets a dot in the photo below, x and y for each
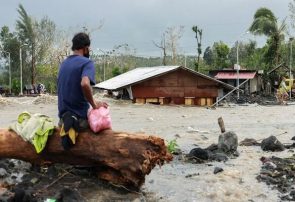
(120, 158)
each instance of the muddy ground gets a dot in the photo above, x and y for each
(192, 126)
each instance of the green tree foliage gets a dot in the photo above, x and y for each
(116, 71)
(220, 54)
(248, 55)
(208, 56)
(265, 23)
(10, 44)
(15, 86)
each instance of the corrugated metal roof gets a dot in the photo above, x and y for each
(134, 76)
(234, 75)
(142, 73)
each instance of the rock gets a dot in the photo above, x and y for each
(293, 138)
(219, 157)
(177, 135)
(151, 181)
(236, 154)
(228, 142)
(52, 172)
(272, 144)
(177, 151)
(69, 195)
(24, 196)
(199, 153)
(217, 170)
(3, 172)
(249, 142)
(5, 195)
(212, 147)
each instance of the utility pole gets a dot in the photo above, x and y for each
(9, 70)
(290, 65)
(21, 70)
(104, 63)
(238, 68)
(21, 67)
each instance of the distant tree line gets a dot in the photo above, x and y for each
(41, 47)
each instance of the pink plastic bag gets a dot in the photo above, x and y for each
(99, 119)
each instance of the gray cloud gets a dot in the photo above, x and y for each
(138, 22)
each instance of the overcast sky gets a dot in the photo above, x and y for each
(139, 22)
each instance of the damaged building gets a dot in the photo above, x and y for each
(253, 79)
(166, 85)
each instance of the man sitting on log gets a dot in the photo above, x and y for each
(75, 77)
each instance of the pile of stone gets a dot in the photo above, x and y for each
(225, 149)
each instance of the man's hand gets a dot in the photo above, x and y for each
(101, 104)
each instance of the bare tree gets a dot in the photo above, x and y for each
(173, 35)
(90, 30)
(162, 45)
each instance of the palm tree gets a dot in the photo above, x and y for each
(25, 27)
(265, 23)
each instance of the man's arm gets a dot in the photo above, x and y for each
(87, 91)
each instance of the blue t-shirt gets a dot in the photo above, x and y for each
(70, 94)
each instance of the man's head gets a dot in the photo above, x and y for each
(81, 42)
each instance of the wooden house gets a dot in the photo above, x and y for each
(167, 85)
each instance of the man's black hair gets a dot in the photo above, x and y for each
(80, 40)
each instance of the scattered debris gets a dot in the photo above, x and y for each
(45, 99)
(5, 101)
(192, 175)
(280, 174)
(151, 119)
(193, 130)
(253, 98)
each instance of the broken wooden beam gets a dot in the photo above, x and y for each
(221, 124)
(121, 158)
